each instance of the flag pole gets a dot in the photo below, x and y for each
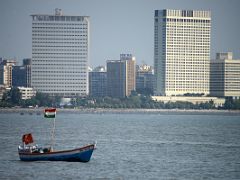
(53, 132)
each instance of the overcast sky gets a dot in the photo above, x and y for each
(116, 26)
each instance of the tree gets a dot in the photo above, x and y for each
(228, 103)
(15, 96)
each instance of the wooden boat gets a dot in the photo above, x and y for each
(34, 153)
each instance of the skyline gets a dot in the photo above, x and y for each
(115, 27)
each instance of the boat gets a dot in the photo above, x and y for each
(33, 153)
(29, 152)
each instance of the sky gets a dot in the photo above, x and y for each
(116, 26)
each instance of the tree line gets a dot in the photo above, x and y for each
(12, 98)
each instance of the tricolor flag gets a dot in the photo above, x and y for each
(50, 113)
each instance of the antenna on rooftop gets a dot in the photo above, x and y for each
(58, 12)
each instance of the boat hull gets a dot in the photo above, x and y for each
(82, 154)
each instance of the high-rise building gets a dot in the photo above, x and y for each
(225, 76)
(60, 51)
(121, 76)
(21, 75)
(181, 51)
(98, 82)
(6, 72)
(144, 79)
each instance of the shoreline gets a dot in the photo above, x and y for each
(124, 111)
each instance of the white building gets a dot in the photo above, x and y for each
(182, 51)
(27, 92)
(225, 76)
(6, 67)
(60, 54)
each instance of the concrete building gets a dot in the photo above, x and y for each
(144, 78)
(27, 92)
(121, 76)
(21, 75)
(2, 90)
(98, 82)
(225, 76)
(27, 63)
(6, 72)
(60, 54)
(181, 51)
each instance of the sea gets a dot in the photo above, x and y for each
(129, 145)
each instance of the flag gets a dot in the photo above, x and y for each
(27, 138)
(50, 113)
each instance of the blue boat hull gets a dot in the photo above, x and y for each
(82, 154)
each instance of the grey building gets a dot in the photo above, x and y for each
(21, 75)
(98, 82)
(145, 79)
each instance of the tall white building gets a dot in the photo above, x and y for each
(181, 51)
(60, 54)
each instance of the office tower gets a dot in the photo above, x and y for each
(144, 79)
(60, 45)
(181, 51)
(98, 82)
(225, 76)
(121, 76)
(6, 67)
(21, 75)
(27, 63)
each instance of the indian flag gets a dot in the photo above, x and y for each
(50, 113)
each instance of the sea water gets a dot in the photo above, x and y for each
(129, 145)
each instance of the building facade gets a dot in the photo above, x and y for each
(27, 92)
(6, 68)
(144, 79)
(60, 51)
(181, 51)
(21, 75)
(225, 76)
(98, 82)
(121, 76)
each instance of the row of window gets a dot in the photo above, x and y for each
(55, 32)
(60, 89)
(52, 49)
(186, 20)
(44, 42)
(61, 35)
(67, 81)
(60, 27)
(55, 46)
(57, 18)
(52, 53)
(61, 58)
(48, 24)
(57, 73)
